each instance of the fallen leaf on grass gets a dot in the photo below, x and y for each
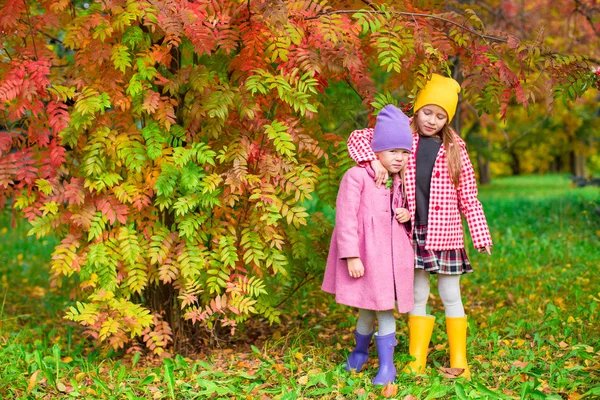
(61, 387)
(32, 381)
(520, 364)
(390, 390)
(451, 372)
(409, 397)
(360, 392)
(303, 380)
(279, 368)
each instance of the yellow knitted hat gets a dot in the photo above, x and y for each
(441, 91)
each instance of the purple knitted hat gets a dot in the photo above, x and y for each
(392, 130)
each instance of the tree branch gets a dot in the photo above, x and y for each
(31, 30)
(409, 14)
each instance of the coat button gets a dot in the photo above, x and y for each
(437, 208)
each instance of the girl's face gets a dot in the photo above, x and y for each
(394, 160)
(431, 119)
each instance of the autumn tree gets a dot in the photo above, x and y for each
(172, 146)
(550, 136)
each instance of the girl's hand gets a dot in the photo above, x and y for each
(356, 268)
(381, 174)
(485, 249)
(402, 215)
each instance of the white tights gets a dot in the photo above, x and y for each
(449, 289)
(386, 323)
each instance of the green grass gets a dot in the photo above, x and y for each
(533, 310)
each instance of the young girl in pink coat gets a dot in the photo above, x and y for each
(440, 186)
(370, 263)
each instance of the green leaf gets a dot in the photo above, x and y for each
(121, 57)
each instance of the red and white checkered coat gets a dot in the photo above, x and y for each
(444, 226)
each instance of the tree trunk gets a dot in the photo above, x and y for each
(483, 166)
(515, 163)
(578, 162)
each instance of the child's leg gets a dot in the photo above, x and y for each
(386, 322)
(456, 321)
(386, 341)
(365, 322)
(362, 335)
(420, 325)
(421, 290)
(449, 289)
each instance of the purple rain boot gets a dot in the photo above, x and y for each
(385, 352)
(360, 354)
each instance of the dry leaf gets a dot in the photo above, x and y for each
(451, 372)
(32, 381)
(360, 392)
(390, 390)
(520, 364)
(409, 397)
(61, 387)
(279, 367)
(303, 380)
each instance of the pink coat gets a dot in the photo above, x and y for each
(365, 227)
(446, 203)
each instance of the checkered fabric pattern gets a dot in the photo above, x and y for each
(445, 231)
(450, 262)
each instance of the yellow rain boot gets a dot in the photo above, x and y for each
(457, 340)
(420, 328)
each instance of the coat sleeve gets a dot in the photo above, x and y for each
(359, 146)
(346, 215)
(470, 206)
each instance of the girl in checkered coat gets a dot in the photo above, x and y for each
(370, 264)
(440, 186)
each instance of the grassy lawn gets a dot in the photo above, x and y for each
(533, 310)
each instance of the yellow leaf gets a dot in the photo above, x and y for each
(303, 380)
(276, 335)
(32, 381)
(61, 387)
(299, 356)
(570, 319)
(279, 368)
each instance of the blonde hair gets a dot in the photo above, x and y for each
(452, 147)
